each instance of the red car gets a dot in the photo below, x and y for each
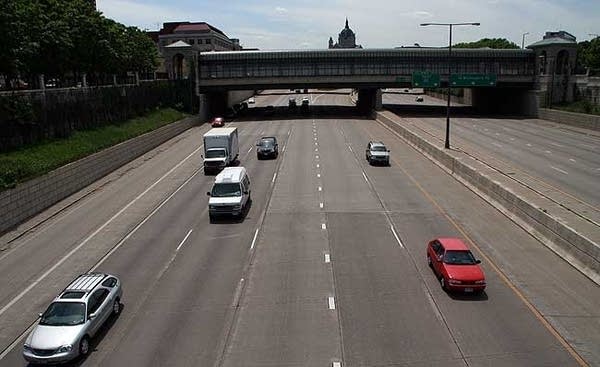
(455, 266)
(217, 122)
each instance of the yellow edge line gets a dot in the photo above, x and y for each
(519, 294)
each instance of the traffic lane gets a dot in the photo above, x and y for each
(555, 290)
(284, 317)
(190, 303)
(344, 184)
(133, 251)
(573, 172)
(36, 251)
(382, 305)
(38, 280)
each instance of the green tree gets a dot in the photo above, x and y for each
(488, 42)
(589, 53)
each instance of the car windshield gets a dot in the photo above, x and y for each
(378, 148)
(267, 143)
(224, 190)
(459, 258)
(215, 153)
(64, 314)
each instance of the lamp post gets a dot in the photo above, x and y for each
(449, 25)
(523, 41)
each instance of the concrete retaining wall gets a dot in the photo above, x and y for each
(31, 197)
(574, 247)
(591, 122)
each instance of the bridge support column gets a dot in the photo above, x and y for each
(506, 101)
(369, 100)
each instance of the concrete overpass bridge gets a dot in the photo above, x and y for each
(368, 70)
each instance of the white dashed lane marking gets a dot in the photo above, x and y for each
(327, 259)
(498, 145)
(323, 226)
(559, 170)
(254, 239)
(572, 160)
(321, 205)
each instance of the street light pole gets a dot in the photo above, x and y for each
(449, 25)
(523, 41)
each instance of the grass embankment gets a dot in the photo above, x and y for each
(580, 107)
(36, 160)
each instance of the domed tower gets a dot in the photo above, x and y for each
(347, 38)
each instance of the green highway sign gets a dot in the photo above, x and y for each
(473, 80)
(425, 79)
(403, 79)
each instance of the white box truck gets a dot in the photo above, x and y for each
(220, 148)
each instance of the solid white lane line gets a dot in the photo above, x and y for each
(321, 205)
(184, 239)
(498, 145)
(93, 234)
(254, 239)
(396, 236)
(327, 258)
(559, 170)
(572, 160)
(18, 340)
(320, 188)
(365, 177)
(323, 226)
(274, 177)
(331, 302)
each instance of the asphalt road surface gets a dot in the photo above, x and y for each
(565, 157)
(327, 267)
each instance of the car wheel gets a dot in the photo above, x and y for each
(116, 308)
(84, 346)
(211, 218)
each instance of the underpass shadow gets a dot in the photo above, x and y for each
(314, 111)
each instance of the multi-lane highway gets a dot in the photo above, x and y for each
(564, 157)
(328, 266)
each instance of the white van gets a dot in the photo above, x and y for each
(230, 193)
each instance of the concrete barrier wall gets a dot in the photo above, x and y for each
(575, 248)
(591, 122)
(31, 197)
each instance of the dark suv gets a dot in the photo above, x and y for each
(267, 147)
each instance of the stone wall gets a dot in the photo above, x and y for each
(581, 120)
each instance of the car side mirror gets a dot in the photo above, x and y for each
(92, 316)
(208, 193)
(388, 150)
(477, 261)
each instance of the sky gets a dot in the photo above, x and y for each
(308, 24)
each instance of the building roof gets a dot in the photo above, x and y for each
(552, 41)
(178, 44)
(188, 27)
